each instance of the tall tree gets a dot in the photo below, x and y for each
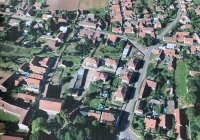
(39, 124)
(190, 113)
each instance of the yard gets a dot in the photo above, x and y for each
(92, 4)
(181, 73)
(104, 51)
(7, 117)
(94, 103)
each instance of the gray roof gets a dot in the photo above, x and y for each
(72, 82)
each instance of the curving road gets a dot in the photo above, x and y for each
(124, 126)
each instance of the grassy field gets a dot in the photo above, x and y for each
(8, 117)
(109, 51)
(92, 4)
(196, 1)
(94, 103)
(181, 73)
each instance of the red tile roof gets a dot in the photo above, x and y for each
(162, 120)
(51, 104)
(193, 49)
(6, 137)
(92, 60)
(51, 43)
(133, 62)
(33, 81)
(96, 115)
(36, 76)
(142, 34)
(150, 123)
(171, 64)
(148, 83)
(197, 11)
(38, 69)
(169, 39)
(108, 115)
(26, 97)
(115, 7)
(84, 23)
(188, 40)
(121, 92)
(111, 61)
(112, 37)
(100, 75)
(169, 52)
(127, 76)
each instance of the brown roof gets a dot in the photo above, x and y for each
(96, 115)
(169, 52)
(193, 73)
(61, 20)
(51, 43)
(182, 34)
(115, 7)
(51, 104)
(33, 81)
(36, 76)
(169, 39)
(171, 64)
(60, 35)
(142, 34)
(20, 112)
(87, 32)
(133, 62)
(39, 69)
(1, 126)
(92, 60)
(150, 123)
(155, 51)
(111, 61)
(112, 37)
(108, 115)
(100, 75)
(116, 30)
(188, 26)
(6, 137)
(37, 4)
(128, 30)
(26, 97)
(121, 92)
(162, 120)
(44, 62)
(197, 10)
(127, 76)
(188, 40)
(148, 83)
(193, 49)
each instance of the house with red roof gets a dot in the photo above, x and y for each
(150, 123)
(111, 38)
(33, 83)
(197, 11)
(162, 122)
(178, 125)
(117, 30)
(108, 116)
(92, 62)
(126, 77)
(94, 115)
(138, 110)
(169, 52)
(38, 5)
(121, 93)
(169, 39)
(112, 63)
(87, 24)
(133, 64)
(8, 137)
(51, 105)
(171, 64)
(52, 45)
(27, 98)
(100, 76)
(146, 87)
(25, 115)
(38, 70)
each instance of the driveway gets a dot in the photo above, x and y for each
(89, 78)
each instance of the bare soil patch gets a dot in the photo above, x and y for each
(3, 76)
(92, 4)
(69, 5)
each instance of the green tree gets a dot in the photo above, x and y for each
(68, 136)
(39, 124)
(65, 115)
(79, 119)
(88, 133)
(197, 121)
(190, 113)
(95, 123)
(190, 98)
(80, 135)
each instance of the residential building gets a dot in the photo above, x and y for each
(111, 63)
(138, 108)
(162, 123)
(100, 76)
(169, 39)
(27, 98)
(90, 61)
(133, 64)
(38, 70)
(38, 5)
(86, 33)
(8, 137)
(121, 93)
(171, 64)
(169, 52)
(126, 77)
(14, 22)
(117, 30)
(51, 105)
(178, 126)
(52, 45)
(111, 38)
(150, 123)
(126, 50)
(33, 83)
(87, 24)
(94, 115)
(155, 51)
(36, 76)
(146, 86)
(108, 116)
(25, 115)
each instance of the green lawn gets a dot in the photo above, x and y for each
(8, 117)
(181, 73)
(196, 1)
(108, 51)
(94, 103)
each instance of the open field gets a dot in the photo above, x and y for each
(3, 76)
(181, 73)
(7, 117)
(69, 5)
(92, 4)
